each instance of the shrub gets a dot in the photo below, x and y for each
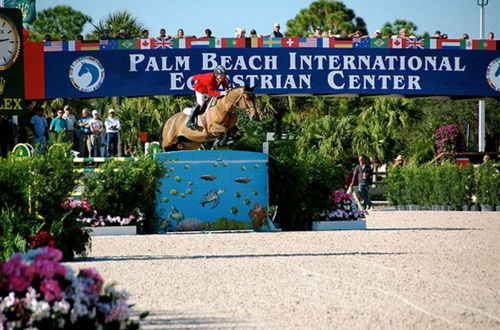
(126, 188)
(487, 184)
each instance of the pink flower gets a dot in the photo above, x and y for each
(50, 289)
(18, 275)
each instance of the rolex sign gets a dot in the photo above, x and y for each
(11, 62)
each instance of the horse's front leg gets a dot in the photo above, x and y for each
(216, 129)
(235, 133)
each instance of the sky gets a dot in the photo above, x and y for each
(453, 17)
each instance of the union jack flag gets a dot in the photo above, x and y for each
(163, 43)
(415, 43)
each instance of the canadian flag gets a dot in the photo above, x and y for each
(145, 44)
(396, 43)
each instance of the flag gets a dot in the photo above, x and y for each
(227, 43)
(126, 44)
(325, 42)
(342, 43)
(201, 42)
(379, 43)
(163, 43)
(240, 42)
(415, 43)
(484, 44)
(145, 43)
(271, 42)
(89, 45)
(449, 43)
(108, 44)
(466, 44)
(308, 42)
(52, 46)
(180, 43)
(397, 43)
(430, 43)
(256, 42)
(290, 42)
(69, 46)
(360, 43)
(27, 7)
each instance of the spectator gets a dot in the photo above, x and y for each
(399, 161)
(491, 36)
(276, 32)
(7, 136)
(105, 35)
(351, 184)
(357, 34)
(58, 126)
(96, 128)
(79, 37)
(208, 33)
(180, 34)
(332, 34)
(39, 127)
(163, 34)
(437, 35)
(145, 34)
(377, 34)
(122, 34)
(364, 174)
(444, 36)
(84, 145)
(464, 36)
(486, 159)
(70, 125)
(47, 37)
(317, 33)
(112, 124)
(239, 32)
(64, 38)
(253, 33)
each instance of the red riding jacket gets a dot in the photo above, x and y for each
(206, 83)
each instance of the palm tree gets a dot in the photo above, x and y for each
(116, 21)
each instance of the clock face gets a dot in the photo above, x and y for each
(9, 43)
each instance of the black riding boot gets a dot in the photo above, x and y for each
(192, 119)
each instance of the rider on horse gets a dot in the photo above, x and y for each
(206, 84)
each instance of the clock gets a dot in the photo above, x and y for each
(10, 43)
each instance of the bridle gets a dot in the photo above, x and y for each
(238, 100)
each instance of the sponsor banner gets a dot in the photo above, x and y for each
(411, 71)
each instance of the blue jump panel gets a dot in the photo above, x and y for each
(221, 189)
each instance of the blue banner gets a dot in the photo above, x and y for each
(304, 71)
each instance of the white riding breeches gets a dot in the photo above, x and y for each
(200, 98)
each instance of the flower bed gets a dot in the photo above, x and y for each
(343, 208)
(37, 291)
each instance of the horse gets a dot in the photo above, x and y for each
(88, 68)
(219, 120)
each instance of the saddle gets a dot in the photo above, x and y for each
(207, 104)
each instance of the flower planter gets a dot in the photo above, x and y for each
(113, 230)
(486, 208)
(339, 225)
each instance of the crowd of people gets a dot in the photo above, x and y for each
(89, 135)
(241, 33)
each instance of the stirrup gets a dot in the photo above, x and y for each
(192, 125)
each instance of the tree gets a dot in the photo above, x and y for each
(116, 21)
(57, 21)
(390, 29)
(327, 15)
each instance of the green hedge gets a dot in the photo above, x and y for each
(446, 184)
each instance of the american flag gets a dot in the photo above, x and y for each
(308, 42)
(163, 43)
(415, 43)
(52, 46)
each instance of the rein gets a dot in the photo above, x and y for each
(236, 103)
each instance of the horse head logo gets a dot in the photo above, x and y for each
(86, 74)
(493, 74)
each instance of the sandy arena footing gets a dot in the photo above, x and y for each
(419, 270)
